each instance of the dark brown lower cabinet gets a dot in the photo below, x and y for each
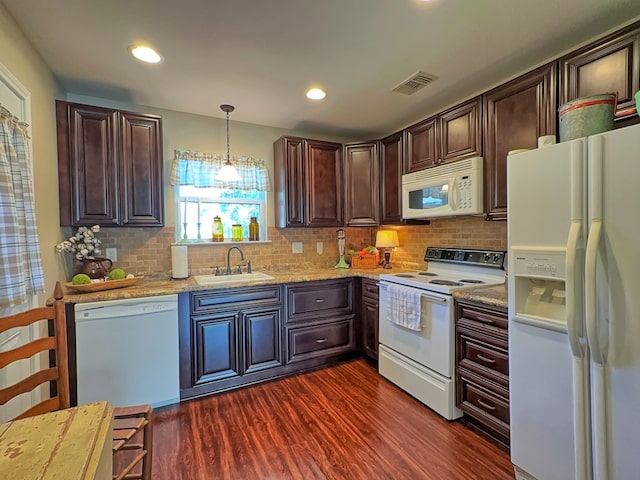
(482, 368)
(230, 337)
(369, 318)
(319, 322)
(238, 336)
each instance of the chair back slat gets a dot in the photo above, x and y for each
(46, 406)
(27, 350)
(28, 383)
(24, 319)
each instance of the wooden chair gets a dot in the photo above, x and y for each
(132, 426)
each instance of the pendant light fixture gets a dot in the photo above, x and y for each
(228, 172)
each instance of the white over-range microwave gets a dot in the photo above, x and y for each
(443, 191)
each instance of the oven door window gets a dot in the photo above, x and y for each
(429, 198)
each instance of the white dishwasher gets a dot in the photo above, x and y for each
(127, 351)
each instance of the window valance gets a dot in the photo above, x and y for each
(200, 169)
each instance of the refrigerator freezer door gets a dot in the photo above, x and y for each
(616, 386)
(549, 400)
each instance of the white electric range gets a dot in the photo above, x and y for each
(421, 361)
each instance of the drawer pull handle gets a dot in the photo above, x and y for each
(485, 405)
(319, 300)
(484, 319)
(321, 340)
(485, 359)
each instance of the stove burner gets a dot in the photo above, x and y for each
(404, 275)
(428, 274)
(470, 280)
(446, 282)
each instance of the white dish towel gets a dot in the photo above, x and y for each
(404, 306)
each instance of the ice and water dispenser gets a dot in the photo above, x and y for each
(540, 285)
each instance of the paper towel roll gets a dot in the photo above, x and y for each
(179, 261)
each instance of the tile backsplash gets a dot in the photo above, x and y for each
(146, 251)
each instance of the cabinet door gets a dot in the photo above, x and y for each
(323, 165)
(370, 327)
(262, 341)
(516, 114)
(87, 165)
(391, 158)
(215, 352)
(141, 170)
(361, 171)
(289, 182)
(421, 146)
(608, 65)
(460, 132)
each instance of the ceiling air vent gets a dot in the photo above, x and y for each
(414, 83)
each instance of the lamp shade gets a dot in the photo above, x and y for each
(387, 239)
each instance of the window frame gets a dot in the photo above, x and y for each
(179, 208)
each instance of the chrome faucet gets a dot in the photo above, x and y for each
(229, 255)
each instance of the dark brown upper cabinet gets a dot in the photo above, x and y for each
(308, 182)
(109, 167)
(611, 64)
(421, 145)
(391, 155)
(452, 135)
(361, 185)
(516, 114)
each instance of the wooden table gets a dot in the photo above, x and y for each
(70, 444)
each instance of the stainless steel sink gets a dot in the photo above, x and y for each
(240, 277)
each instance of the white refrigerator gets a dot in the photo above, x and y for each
(574, 308)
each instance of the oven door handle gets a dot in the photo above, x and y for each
(426, 296)
(434, 299)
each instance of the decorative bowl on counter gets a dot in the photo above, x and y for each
(106, 285)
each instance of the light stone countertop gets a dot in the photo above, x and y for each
(495, 296)
(149, 288)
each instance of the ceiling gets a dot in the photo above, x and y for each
(261, 56)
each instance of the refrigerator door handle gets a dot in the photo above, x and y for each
(593, 243)
(577, 349)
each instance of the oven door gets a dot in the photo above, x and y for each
(432, 345)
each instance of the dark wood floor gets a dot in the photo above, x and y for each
(341, 422)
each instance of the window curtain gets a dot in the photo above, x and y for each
(21, 272)
(200, 169)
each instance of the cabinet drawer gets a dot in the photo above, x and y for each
(319, 340)
(319, 299)
(484, 316)
(370, 288)
(229, 298)
(482, 358)
(485, 406)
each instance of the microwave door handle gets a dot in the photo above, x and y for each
(453, 188)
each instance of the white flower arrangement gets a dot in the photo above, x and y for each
(84, 244)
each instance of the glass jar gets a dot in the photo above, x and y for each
(236, 232)
(254, 229)
(218, 230)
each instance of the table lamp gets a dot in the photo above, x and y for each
(386, 239)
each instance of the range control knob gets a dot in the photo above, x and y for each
(487, 257)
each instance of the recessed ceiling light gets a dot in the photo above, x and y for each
(316, 94)
(145, 54)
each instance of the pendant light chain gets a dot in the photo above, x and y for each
(228, 154)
